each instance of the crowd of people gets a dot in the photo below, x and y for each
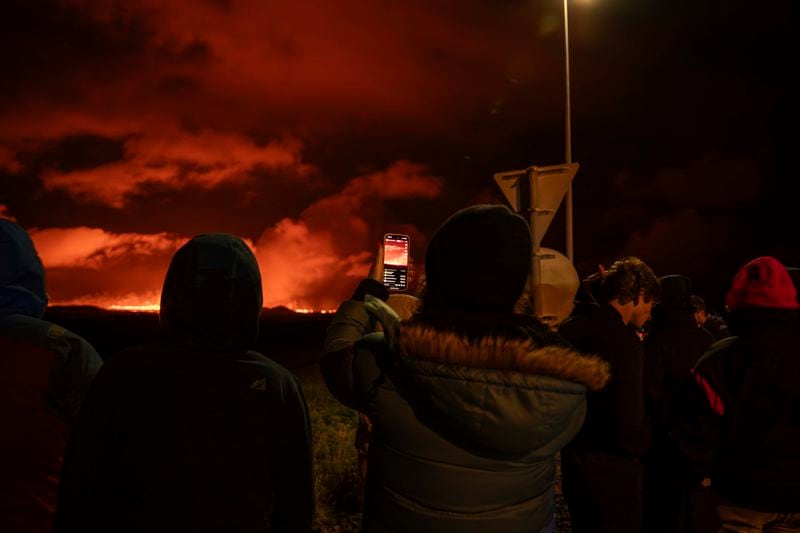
(665, 417)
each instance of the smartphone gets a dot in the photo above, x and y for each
(395, 261)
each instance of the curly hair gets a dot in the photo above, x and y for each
(629, 278)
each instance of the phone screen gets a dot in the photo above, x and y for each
(395, 261)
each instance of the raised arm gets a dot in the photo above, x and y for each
(351, 322)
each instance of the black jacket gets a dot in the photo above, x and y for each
(466, 426)
(738, 419)
(197, 433)
(616, 420)
(672, 348)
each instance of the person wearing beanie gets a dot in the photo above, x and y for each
(470, 402)
(602, 469)
(671, 349)
(737, 419)
(708, 320)
(197, 432)
(45, 372)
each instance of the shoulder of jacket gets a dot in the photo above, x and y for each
(54, 337)
(713, 353)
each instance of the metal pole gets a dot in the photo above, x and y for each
(526, 209)
(568, 135)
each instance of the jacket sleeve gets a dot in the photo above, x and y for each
(351, 322)
(634, 435)
(697, 422)
(294, 495)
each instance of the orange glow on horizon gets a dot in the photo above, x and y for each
(146, 308)
(127, 304)
(307, 311)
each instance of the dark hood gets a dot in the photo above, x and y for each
(211, 298)
(22, 286)
(675, 304)
(506, 395)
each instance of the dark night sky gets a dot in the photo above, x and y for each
(310, 128)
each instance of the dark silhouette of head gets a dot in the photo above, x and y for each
(675, 298)
(478, 260)
(22, 280)
(212, 298)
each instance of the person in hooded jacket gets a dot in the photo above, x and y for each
(602, 469)
(45, 372)
(737, 419)
(671, 349)
(709, 320)
(470, 402)
(195, 433)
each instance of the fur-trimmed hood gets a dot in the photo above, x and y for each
(501, 353)
(506, 395)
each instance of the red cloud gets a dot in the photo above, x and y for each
(94, 248)
(710, 181)
(669, 240)
(198, 93)
(90, 266)
(176, 160)
(314, 261)
(249, 65)
(395, 60)
(8, 160)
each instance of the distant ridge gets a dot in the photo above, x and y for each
(279, 310)
(78, 308)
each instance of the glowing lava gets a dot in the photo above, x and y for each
(145, 308)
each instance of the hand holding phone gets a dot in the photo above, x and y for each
(395, 261)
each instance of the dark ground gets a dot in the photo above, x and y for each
(292, 339)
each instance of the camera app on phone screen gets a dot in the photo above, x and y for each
(395, 261)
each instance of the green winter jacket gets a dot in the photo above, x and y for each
(465, 431)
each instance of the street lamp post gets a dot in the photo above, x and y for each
(568, 135)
